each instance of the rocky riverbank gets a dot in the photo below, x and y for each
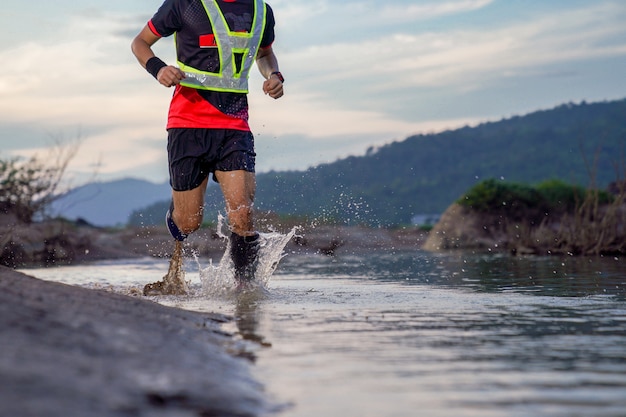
(602, 232)
(70, 351)
(61, 242)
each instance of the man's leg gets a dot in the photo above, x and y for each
(183, 218)
(239, 188)
(187, 210)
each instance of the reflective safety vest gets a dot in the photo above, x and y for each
(228, 79)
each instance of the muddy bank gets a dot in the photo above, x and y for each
(602, 232)
(73, 351)
(58, 242)
(331, 240)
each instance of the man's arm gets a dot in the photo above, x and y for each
(141, 46)
(267, 63)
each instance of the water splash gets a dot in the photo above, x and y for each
(173, 283)
(218, 280)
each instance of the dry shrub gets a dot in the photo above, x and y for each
(594, 228)
(29, 186)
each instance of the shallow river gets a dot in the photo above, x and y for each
(418, 334)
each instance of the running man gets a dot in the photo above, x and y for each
(208, 133)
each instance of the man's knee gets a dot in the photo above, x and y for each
(188, 208)
(187, 223)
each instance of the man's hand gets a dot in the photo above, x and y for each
(273, 87)
(170, 76)
(268, 64)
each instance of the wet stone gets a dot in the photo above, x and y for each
(69, 351)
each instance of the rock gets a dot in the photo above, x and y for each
(42, 243)
(333, 240)
(591, 230)
(56, 242)
(462, 228)
(71, 351)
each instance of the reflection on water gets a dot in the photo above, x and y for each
(410, 334)
(557, 276)
(449, 335)
(247, 317)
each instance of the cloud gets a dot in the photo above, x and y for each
(85, 79)
(317, 117)
(466, 59)
(288, 151)
(62, 73)
(293, 13)
(415, 12)
(358, 73)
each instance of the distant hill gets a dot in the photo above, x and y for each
(424, 174)
(109, 203)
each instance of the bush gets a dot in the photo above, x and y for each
(28, 187)
(551, 196)
(552, 217)
(561, 196)
(565, 198)
(499, 196)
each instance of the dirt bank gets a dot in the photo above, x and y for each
(58, 242)
(602, 232)
(70, 351)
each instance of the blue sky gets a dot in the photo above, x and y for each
(359, 74)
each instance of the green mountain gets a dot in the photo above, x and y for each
(583, 144)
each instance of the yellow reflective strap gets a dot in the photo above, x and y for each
(229, 44)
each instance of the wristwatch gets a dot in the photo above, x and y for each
(279, 75)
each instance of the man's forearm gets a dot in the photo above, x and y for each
(267, 63)
(142, 45)
(142, 51)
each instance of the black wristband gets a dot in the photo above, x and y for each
(154, 65)
(279, 75)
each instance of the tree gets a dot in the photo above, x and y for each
(29, 186)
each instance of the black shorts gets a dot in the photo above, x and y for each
(195, 153)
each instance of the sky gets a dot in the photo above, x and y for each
(359, 74)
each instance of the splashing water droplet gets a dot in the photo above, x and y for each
(173, 283)
(219, 279)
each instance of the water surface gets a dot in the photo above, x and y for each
(419, 334)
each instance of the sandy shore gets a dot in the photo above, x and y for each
(71, 351)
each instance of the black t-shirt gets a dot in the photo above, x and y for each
(188, 20)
